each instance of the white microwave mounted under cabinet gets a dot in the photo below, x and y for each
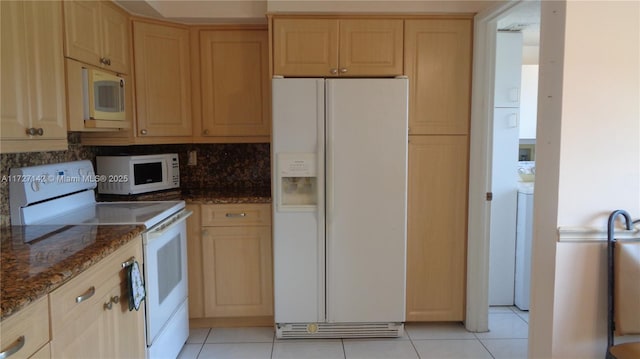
(111, 108)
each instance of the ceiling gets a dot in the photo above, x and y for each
(524, 17)
(253, 11)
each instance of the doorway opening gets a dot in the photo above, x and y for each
(502, 163)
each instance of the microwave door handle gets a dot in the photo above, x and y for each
(122, 97)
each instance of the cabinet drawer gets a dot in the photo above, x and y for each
(224, 215)
(86, 292)
(32, 324)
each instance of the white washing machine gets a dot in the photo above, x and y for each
(524, 236)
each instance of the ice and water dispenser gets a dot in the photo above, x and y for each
(297, 176)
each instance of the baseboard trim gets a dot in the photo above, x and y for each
(265, 321)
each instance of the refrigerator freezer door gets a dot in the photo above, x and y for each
(366, 124)
(298, 236)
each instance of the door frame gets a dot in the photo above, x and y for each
(480, 161)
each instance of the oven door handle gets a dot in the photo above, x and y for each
(166, 225)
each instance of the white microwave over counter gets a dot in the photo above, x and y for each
(103, 95)
(137, 174)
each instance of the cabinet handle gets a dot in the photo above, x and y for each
(40, 131)
(235, 215)
(114, 300)
(334, 71)
(143, 132)
(14, 348)
(105, 61)
(343, 70)
(88, 294)
(31, 131)
(206, 132)
(129, 262)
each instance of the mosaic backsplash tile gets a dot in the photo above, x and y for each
(12, 160)
(220, 167)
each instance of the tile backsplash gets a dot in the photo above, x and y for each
(219, 166)
(12, 160)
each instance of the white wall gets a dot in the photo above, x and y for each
(588, 164)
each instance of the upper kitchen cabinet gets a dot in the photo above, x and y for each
(235, 84)
(97, 33)
(32, 98)
(437, 56)
(337, 47)
(162, 73)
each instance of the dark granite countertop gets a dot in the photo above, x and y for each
(31, 270)
(199, 196)
(227, 196)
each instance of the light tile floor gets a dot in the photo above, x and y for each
(507, 339)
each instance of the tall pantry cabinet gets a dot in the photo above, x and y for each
(437, 58)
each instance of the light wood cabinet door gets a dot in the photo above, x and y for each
(32, 325)
(337, 47)
(238, 271)
(305, 47)
(235, 83)
(33, 92)
(194, 265)
(14, 108)
(437, 228)
(97, 33)
(162, 77)
(116, 37)
(99, 325)
(437, 56)
(83, 37)
(371, 47)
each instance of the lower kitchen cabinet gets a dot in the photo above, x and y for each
(236, 266)
(194, 264)
(90, 315)
(26, 334)
(437, 228)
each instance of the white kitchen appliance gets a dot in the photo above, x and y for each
(339, 215)
(103, 95)
(63, 194)
(504, 183)
(524, 238)
(137, 174)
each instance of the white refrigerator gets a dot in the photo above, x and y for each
(339, 150)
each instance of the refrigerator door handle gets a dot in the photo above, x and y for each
(329, 200)
(329, 153)
(321, 109)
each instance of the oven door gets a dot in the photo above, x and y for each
(165, 271)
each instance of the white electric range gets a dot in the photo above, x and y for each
(63, 194)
